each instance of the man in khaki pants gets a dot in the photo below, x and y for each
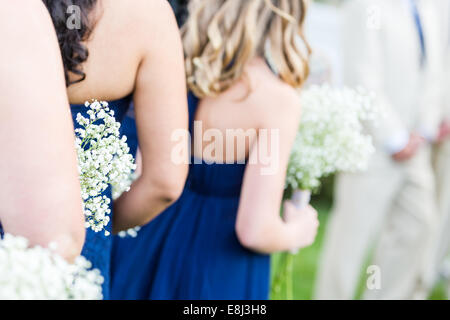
(393, 48)
(440, 254)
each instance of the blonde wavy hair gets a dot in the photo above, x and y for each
(221, 36)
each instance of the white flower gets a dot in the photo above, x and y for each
(123, 185)
(40, 274)
(103, 160)
(133, 233)
(331, 135)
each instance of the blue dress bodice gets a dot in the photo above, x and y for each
(224, 180)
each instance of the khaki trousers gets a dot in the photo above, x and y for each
(391, 208)
(441, 243)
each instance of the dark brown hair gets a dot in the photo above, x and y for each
(73, 52)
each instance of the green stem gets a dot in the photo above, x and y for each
(279, 276)
(289, 276)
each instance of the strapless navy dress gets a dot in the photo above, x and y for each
(191, 250)
(97, 247)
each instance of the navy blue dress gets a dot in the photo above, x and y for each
(97, 247)
(191, 250)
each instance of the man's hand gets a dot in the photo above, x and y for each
(414, 143)
(444, 131)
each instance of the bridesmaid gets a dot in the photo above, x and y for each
(39, 186)
(119, 53)
(214, 243)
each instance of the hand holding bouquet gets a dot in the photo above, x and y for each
(330, 139)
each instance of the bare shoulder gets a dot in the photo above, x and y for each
(32, 51)
(142, 15)
(157, 9)
(26, 16)
(32, 27)
(276, 102)
(142, 20)
(21, 7)
(156, 20)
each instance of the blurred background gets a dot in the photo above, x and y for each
(325, 31)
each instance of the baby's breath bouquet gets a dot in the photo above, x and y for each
(40, 274)
(331, 135)
(330, 139)
(103, 161)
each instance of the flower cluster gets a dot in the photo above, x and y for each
(103, 161)
(124, 185)
(40, 274)
(133, 233)
(331, 135)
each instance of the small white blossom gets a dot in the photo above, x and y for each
(123, 185)
(40, 274)
(103, 160)
(133, 233)
(331, 135)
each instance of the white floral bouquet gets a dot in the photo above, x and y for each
(331, 135)
(103, 160)
(40, 274)
(330, 139)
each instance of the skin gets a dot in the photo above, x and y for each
(444, 131)
(40, 192)
(270, 104)
(137, 49)
(415, 142)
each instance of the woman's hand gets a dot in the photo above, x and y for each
(304, 222)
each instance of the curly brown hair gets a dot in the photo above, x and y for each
(73, 52)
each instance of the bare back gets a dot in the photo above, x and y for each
(248, 106)
(116, 49)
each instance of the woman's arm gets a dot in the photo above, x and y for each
(40, 193)
(259, 225)
(161, 108)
